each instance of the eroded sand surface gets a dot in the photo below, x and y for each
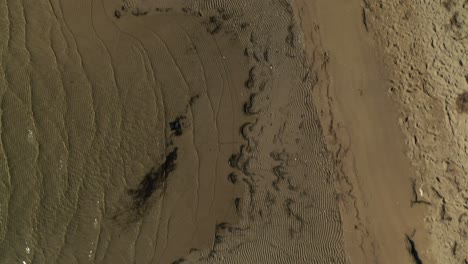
(426, 49)
(412, 53)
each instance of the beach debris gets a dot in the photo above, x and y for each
(280, 155)
(275, 184)
(186, 9)
(241, 161)
(266, 54)
(232, 177)
(138, 12)
(252, 191)
(416, 198)
(250, 104)
(224, 14)
(292, 186)
(279, 171)
(454, 248)
(214, 24)
(251, 80)
(291, 37)
(176, 125)
(193, 99)
(153, 181)
(237, 204)
(178, 261)
(294, 231)
(246, 129)
(163, 10)
(234, 160)
(364, 19)
(443, 212)
(412, 250)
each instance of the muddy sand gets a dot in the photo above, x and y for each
(231, 132)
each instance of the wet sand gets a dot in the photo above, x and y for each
(217, 132)
(86, 112)
(152, 132)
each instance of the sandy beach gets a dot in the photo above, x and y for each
(209, 131)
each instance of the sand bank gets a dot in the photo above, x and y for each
(392, 68)
(425, 46)
(363, 133)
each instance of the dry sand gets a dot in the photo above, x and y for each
(212, 131)
(425, 45)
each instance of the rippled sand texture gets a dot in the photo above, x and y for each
(88, 90)
(84, 103)
(290, 212)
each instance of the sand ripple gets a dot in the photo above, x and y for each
(87, 93)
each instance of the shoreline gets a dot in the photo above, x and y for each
(367, 142)
(425, 46)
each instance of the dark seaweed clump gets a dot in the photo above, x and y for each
(232, 177)
(176, 126)
(154, 180)
(412, 250)
(214, 25)
(179, 261)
